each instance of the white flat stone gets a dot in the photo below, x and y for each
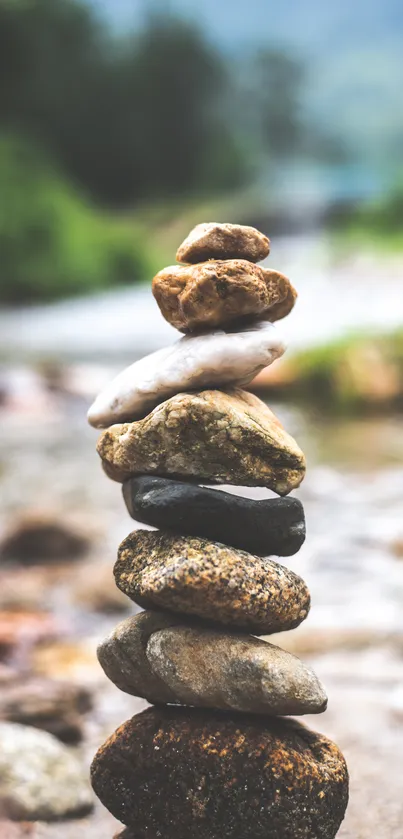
(195, 361)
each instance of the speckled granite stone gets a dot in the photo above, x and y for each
(147, 656)
(221, 585)
(217, 436)
(271, 526)
(216, 240)
(180, 773)
(219, 292)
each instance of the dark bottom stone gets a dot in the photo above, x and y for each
(177, 773)
(274, 526)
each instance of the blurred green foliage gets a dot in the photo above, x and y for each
(129, 117)
(358, 372)
(52, 243)
(154, 117)
(378, 223)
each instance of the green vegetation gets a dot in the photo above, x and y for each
(148, 123)
(152, 124)
(130, 117)
(352, 374)
(52, 242)
(377, 224)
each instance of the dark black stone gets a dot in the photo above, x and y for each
(274, 526)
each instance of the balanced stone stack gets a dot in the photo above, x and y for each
(214, 757)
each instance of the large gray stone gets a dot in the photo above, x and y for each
(40, 779)
(147, 656)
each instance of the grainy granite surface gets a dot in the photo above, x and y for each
(227, 436)
(221, 585)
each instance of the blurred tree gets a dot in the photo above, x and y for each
(277, 84)
(272, 88)
(52, 243)
(127, 119)
(180, 131)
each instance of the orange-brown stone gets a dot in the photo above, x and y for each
(181, 773)
(218, 292)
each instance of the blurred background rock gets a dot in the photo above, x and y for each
(122, 124)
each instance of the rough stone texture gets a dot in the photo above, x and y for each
(193, 576)
(123, 654)
(191, 665)
(40, 779)
(52, 705)
(271, 526)
(278, 284)
(219, 292)
(216, 436)
(194, 362)
(180, 773)
(216, 240)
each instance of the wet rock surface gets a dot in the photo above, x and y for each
(37, 537)
(194, 362)
(21, 630)
(216, 436)
(191, 665)
(221, 585)
(220, 292)
(54, 706)
(271, 526)
(223, 777)
(40, 779)
(215, 240)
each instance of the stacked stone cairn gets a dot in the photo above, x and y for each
(214, 757)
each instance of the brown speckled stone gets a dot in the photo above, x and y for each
(221, 585)
(277, 284)
(216, 240)
(217, 436)
(181, 773)
(218, 292)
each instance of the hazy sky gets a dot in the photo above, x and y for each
(314, 24)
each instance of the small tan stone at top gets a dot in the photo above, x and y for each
(215, 240)
(218, 292)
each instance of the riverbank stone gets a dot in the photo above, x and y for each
(216, 240)
(217, 436)
(219, 292)
(271, 526)
(194, 362)
(224, 586)
(40, 779)
(223, 776)
(192, 665)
